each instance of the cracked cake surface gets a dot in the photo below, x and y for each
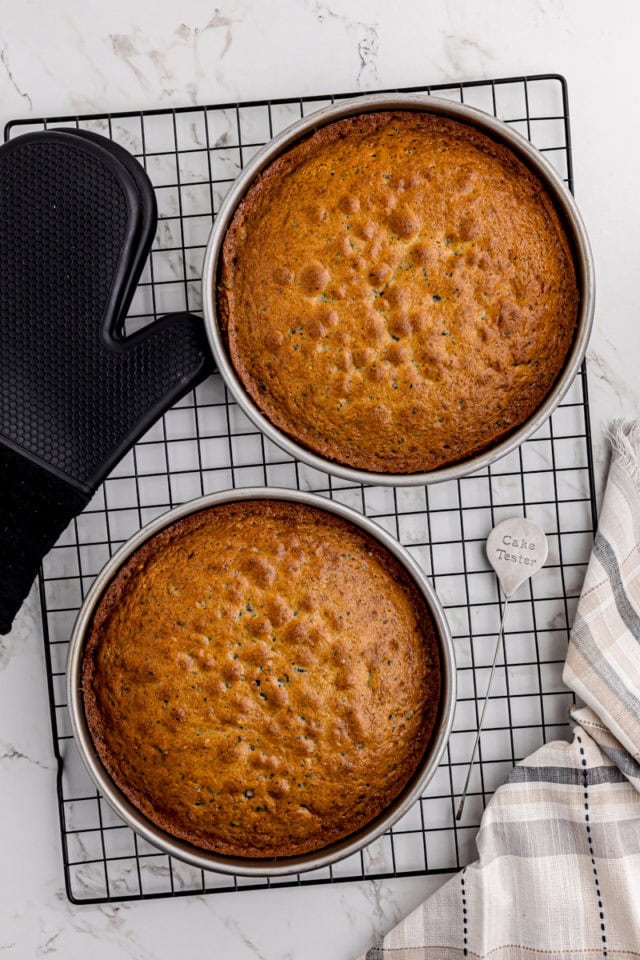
(397, 291)
(261, 678)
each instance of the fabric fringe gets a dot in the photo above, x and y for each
(624, 436)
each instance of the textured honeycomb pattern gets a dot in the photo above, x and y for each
(69, 397)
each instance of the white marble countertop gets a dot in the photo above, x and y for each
(69, 56)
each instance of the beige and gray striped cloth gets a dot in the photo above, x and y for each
(558, 869)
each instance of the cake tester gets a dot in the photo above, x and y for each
(516, 549)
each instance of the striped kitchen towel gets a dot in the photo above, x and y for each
(558, 869)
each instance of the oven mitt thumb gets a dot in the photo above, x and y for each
(77, 218)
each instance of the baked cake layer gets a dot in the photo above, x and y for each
(397, 292)
(261, 679)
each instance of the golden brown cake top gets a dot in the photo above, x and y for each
(261, 678)
(397, 291)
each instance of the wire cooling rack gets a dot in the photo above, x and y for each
(205, 444)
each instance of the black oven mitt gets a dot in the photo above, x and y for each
(77, 219)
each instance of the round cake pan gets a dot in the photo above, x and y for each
(497, 130)
(269, 867)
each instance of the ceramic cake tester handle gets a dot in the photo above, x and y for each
(516, 549)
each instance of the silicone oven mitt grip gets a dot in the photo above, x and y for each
(77, 219)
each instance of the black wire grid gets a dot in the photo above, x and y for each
(205, 444)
